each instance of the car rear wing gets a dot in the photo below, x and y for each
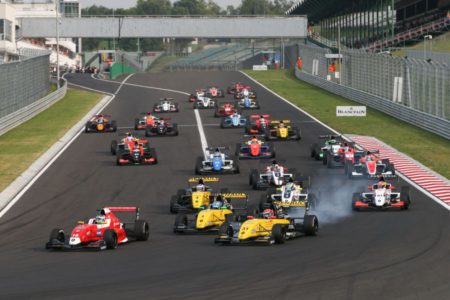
(166, 99)
(234, 196)
(205, 179)
(133, 209)
(290, 204)
(220, 148)
(280, 121)
(258, 116)
(252, 135)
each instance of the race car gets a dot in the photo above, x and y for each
(290, 192)
(100, 123)
(210, 218)
(273, 176)
(281, 130)
(371, 165)
(146, 119)
(245, 92)
(204, 103)
(216, 161)
(105, 231)
(138, 153)
(247, 103)
(284, 221)
(162, 128)
(198, 93)
(126, 140)
(342, 156)
(194, 197)
(235, 120)
(382, 196)
(255, 149)
(257, 124)
(225, 109)
(236, 87)
(319, 150)
(214, 92)
(166, 105)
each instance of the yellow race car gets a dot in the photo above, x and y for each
(273, 226)
(194, 197)
(210, 218)
(282, 130)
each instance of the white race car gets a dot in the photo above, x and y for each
(166, 105)
(204, 103)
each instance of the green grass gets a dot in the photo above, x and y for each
(25, 143)
(160, 63)
(429, 149)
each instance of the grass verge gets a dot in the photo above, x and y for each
(21, 146)
(160, 63)
(431, 150)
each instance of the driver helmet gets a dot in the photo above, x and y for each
(245, 92)
(268, 213)
(100, 219)
(100, 119)
(254, 138)
(130, 137)
(381, 181)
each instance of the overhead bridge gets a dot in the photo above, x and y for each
(167, 27)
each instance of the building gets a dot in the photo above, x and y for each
(11, 41)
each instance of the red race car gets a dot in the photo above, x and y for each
(257, 124)
(371, 165)
(105, 231)
(236, 87)
(225, 110)
(146, 119)
(137, 153)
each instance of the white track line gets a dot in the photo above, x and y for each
(200, 125)
(61, 151)
(425, 192)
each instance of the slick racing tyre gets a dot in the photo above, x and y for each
(279, 233)
(110, 238)
(141, 230)
(310, 225)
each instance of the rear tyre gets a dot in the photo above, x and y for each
(175, 129)
(325, 158)
(141, 230)
(279, 234)
(355, 198)
(405, 197)
(350, 170)
(114, 126)
(252, 176)
(180, 220)
(310, 225)
(198, 165)
(174, 205)
(263, 203)
(153, 154)
(110, 238)
(114, 147)
(136, 123)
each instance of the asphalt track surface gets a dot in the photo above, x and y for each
(366, 255)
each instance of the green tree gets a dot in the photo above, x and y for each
(153, 7)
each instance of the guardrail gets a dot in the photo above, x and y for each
(25, 113)
(415, 117)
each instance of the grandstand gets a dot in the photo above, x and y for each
(217, 58)
(374, 25)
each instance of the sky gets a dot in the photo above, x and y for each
(130, 3)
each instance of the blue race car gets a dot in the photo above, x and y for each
(215, 161)
(247, 103)
(233, 121)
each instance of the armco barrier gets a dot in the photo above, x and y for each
(24, 114)
(420, 119)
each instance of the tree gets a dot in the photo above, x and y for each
(152, 7)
